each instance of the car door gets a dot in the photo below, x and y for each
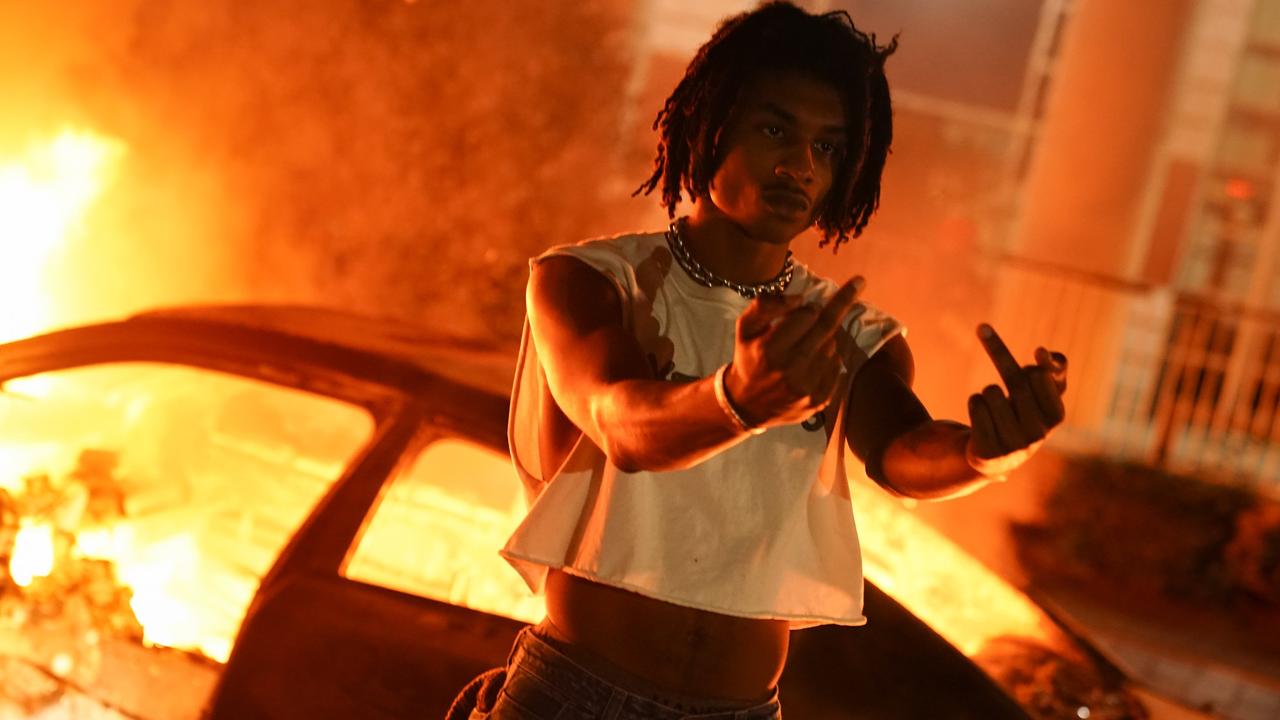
(391, 596)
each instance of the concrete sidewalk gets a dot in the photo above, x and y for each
(1208, 665)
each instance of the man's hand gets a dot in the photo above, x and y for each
(1008, 429)
(786, 363)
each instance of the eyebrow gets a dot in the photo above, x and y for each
(785, 115)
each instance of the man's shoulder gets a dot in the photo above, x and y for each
(865, 315)
(617, 254)
(814, 286)
(626, 242)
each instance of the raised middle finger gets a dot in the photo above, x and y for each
(807, 338)
(1006, 364)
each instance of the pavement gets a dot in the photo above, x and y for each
(1214, 665)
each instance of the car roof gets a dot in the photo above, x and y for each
(482, 363)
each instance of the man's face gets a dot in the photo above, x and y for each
(779, 154)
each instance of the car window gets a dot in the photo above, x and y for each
(147, 500)
(437, 530)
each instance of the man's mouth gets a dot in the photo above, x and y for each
(787, 196)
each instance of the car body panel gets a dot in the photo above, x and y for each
(315, 644)
(322, 646)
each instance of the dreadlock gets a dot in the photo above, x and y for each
(780, 36)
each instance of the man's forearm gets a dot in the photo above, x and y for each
(929, 462)
(658, 425)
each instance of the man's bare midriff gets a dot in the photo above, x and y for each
(677, 649)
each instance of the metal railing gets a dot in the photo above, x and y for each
(1185, 382)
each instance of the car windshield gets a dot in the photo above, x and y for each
(141, 503)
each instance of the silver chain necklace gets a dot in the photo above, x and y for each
(703, 276)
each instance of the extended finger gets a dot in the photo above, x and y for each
(822, 358)
(809, 326)
(763, 311)
(1056, 363)
(985, 441)
(1007, 427)
(831, 318)
(1048, 399)
(1006, 364)
(790, 328)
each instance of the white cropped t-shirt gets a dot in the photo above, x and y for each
(763, 529)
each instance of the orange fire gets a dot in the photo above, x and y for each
(161, 575)
(44, 195)
(158, 560)
(32, 552)
(937, 580)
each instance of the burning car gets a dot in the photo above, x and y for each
(280, 512)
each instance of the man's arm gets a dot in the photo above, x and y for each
(600, 378)
(905, 450)
(785, 367)
(911, 454)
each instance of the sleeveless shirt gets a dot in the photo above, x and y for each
(763, 529)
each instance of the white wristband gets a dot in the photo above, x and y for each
(722, 397)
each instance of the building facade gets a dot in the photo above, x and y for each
(1093, 176)
(1149, 220)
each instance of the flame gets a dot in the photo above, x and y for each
(146, 524)
(44, 195)
(163, 576)
(32, 552)
(935, 579)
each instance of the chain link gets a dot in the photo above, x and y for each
(705, 277)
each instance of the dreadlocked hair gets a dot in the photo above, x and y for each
(780, 36)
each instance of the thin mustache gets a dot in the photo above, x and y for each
(790, 190)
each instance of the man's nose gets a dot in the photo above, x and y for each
(797, 164)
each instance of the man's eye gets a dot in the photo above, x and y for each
(772, 131)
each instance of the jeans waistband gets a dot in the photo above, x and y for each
(545, 656)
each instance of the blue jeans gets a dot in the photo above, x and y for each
(543, 683)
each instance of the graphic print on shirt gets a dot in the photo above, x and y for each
(650, 274)
(825, 419)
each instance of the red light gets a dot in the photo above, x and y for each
(1240, 189)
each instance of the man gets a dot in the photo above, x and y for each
(683, 398)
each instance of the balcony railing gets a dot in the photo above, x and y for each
(1180, 381)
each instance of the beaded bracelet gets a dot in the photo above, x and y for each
(722, 397)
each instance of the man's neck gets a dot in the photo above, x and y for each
(730, 250)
